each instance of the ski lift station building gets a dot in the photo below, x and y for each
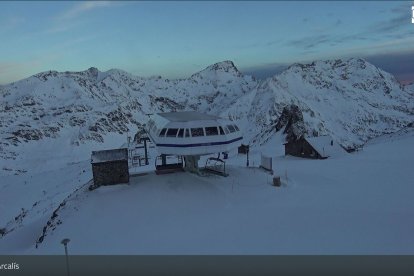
(190, 133)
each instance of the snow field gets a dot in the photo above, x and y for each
(360, 203)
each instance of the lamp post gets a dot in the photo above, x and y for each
(65, 244)
(247, 161)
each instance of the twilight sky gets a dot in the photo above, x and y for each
(177, 39)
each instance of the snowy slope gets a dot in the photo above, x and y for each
(409, 88)
(77, 110)
(72, 113)
(358, 203)
(350, 100)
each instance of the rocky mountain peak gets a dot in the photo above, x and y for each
(292, 120)
(93, 70)
(357, 72)
(226, 66)
(351, 100)
(92, 73)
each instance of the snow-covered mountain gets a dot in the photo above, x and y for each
(409, 88)
(351, 100)
(77, 108)
(50, 122)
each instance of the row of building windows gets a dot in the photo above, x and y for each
(198, 131)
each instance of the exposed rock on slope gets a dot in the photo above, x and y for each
(291, 120)
(91, 104)
(351, 100)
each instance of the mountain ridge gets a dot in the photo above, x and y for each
(351, 100)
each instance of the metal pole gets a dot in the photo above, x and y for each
(65, 243)
(146, 152)
(67, 259)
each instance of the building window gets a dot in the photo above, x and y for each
(221, 130)
(162, 133)
(236, 127)
(195, 132)
(211, 131)
(181, 133)
(231, 128)
(172, 132)
(187, 132)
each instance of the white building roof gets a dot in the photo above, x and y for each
(185, 116)
(109, 155)
(322, 144)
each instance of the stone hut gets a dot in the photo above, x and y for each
(320, 147)
(110, 167)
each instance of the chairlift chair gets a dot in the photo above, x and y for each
(216, 165)
(162, 166)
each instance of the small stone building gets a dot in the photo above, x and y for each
(320, 147)
(110, 167)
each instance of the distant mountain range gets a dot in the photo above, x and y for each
(351, 100)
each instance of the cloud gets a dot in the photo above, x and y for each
(309, 42)
(65, 21)
(80, 8)
(392, 28)
(400, 19)
(394, 24)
